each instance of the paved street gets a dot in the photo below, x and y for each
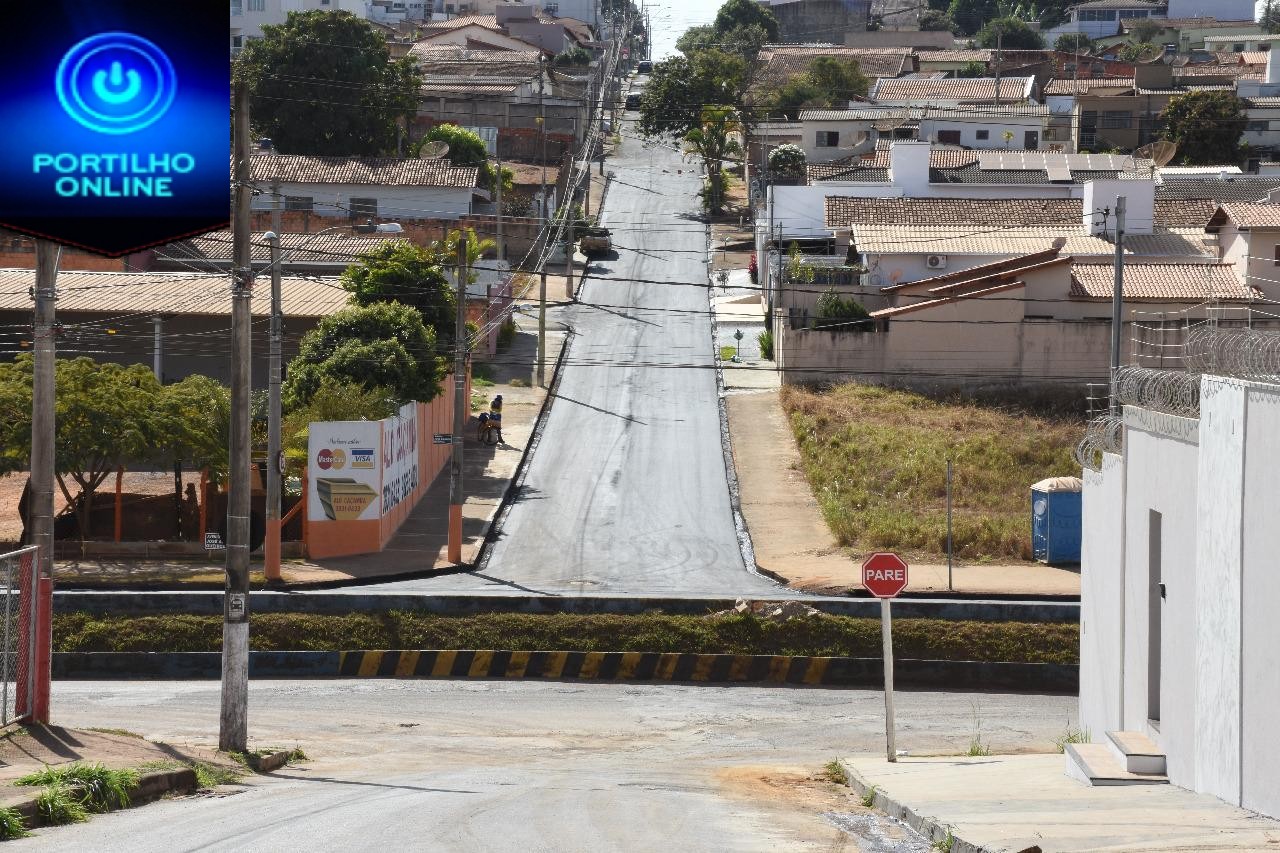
(627, 491)
(530, 766)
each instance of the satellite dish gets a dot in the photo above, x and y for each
(434, 150)
(888, 124)
(1160, 153)
(1150, 54)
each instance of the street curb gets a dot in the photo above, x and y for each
(150, 787)
(574, 665)
(927, 826)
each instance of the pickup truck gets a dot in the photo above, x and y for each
(595, 241)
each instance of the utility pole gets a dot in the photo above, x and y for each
(502, 248)
(157, 351)
(40, 512)
(459, 408)
(233, 730)
(1117, 301)
(541, 372)
(999, 58)
(275, 458)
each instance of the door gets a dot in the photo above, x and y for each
(1031, 140)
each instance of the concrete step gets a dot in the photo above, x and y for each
(1136, 752)
(1095, 764)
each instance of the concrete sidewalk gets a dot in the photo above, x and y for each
(791, 539)
(1026, 802)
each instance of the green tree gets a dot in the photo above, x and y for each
(1073, 43)
(192, 420)
(970, 15)
(380, 346)
(1011, 33)
(829, 82)
(466, 148)
(787, 163)
(1145, 30)
(413, 275)
(324, 83)
(1269, 20)
(717, 139)
(972, 69)
(740, 13)
(680, 86)
(1135, 51)
(937, 20)
(1206, 126)
(334, 400)
(696, 39)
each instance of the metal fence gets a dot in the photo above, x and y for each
(18, 655)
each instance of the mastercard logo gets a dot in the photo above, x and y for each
(331, 459)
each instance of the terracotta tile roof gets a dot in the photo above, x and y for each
(453, 60)
(887, 313)
(994, 240)
(781, 63)
(170, 293)
(862, 171)
(319, 248)
(1161, 281)
(984, 275)
(1246, 215)
(384, 171)
(1255, 57)
(1184, 213)
(489, 22)
(954, 55)
(962, 89)
(1204, 23)
(1063, 86)
(847, 211)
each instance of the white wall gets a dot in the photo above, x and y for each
(394, 202)
(1102, 598)
(1017, 125)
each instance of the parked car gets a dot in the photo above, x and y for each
(644, 66)
(633, 100)
(595, 241)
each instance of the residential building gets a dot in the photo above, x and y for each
(954, 91)
(1101, 18)
(249, 16)
(778, 64)
(512, 26)
(829, 135)
(304, 254)
(366, 188)
(808, 21)
(1189, 33)
(1179, 591)
(1248, 235)
(1255, 41)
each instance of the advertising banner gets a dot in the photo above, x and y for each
(343, 471)
(399, 456)
(115, 117)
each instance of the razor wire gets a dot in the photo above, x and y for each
(1241, 353)
(1104, 434)
(1174, 392)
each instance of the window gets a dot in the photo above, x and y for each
(1117, 119)
(1089, 118)
(364, 208)
(257, 5)
(1257, 126)
(237, 8)
(949, 137)
(1238, 47)
(299, 202)
(982, 134)
(1277, 255)
(828, 139)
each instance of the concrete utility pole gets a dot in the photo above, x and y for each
(157, 351)
(459, 408)
(502, 247)
(999, 57)
(1117, 300)
(541, 372)
(275, 458)
(233, 730)
(40, 511)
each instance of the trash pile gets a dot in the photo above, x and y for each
(774, 611)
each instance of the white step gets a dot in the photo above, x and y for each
(1095, 764)
(1136, 752)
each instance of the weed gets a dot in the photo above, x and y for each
(96, 787)
(727, 353)
(506, 333)
(479, 402)
(11, 825)
(121, 732)
(976, 745)
(238, 757)
(869, 798)
(765, 339)
(213, 775)
(518, 382)
(944, 844)
(16, 731)
(1071, 735)
(835, 773)
(57, 805)
(296, 754)
(481, 375)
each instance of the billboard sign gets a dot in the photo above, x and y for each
(343, 471)
(399, 456)
(116, 118)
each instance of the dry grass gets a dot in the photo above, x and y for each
(876, 459)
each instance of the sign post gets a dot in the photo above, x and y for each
(885, 575)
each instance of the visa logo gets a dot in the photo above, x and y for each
(361, 457)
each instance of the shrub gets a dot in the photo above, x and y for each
(831, 306)
(765, 339)
(506, 333)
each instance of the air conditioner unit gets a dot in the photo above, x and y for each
(936, 262)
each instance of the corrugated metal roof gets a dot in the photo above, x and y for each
(954, 55)
(319, 248)
(1161, 281)
(887, 313)
(977, 240)
(169, 293)
(1061, 86)
(385, 171)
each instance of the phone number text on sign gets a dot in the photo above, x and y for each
(398, 488)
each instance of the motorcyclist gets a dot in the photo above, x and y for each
(495, 416)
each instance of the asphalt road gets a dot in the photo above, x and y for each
(530, 766)
(626, 491)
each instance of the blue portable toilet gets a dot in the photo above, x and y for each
(1055, 520)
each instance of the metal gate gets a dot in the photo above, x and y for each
(18, 632)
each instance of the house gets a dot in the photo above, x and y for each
(120, 317)
(1179, 593)
(778, 64)
(305, 254)
(839, 134)
(1255, 41)
(249, 16)
(953, 91)
(1248, 235)
(804, 21)
(512, 26)
(951, 60)
(1189, 33)
(1101, 18)
(366, 188)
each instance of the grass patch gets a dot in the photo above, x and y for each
(479, 402)
(121, 732)
(945, 843)
(94, 786)
(1071, 735)
(876, 459)
(869, 798)
(11, 825)
(834, 773)
(727, 353)
(207, 775)
(928, 639)
(481, 375)
(57, 805)
(518, 382)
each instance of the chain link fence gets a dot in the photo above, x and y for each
(17, 657)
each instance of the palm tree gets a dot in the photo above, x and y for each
(717, 138)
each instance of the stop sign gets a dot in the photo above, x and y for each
(884, 574)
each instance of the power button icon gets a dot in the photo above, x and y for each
(115, 83)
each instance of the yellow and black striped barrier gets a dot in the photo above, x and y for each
(601, 666)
